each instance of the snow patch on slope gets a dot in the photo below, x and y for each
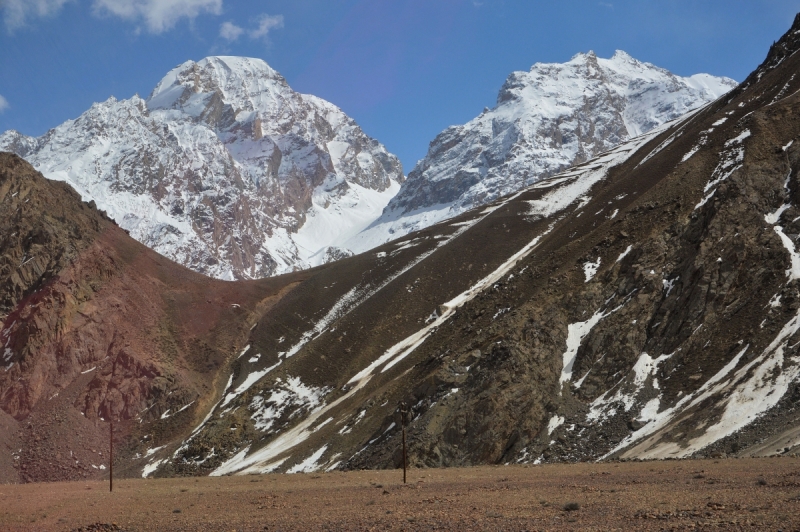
(590, 269)
(576, 332)
(741, 398)
(629, 390)
(731, 160)
(283, 396)
(309, 465)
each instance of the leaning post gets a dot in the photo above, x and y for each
(111, 437)
(403, 413)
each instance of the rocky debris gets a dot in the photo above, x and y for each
(99, 527)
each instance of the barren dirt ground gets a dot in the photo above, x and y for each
(746, 494)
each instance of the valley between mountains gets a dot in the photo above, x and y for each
(641, 304)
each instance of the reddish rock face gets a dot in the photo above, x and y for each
(96, 327)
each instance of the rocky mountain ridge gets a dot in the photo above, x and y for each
(95, 327)
(223, 168)
(546, 119)
(643, 304)
(226, 170)
(640, 305)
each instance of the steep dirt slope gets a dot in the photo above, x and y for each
(642, 304)
(96, 327)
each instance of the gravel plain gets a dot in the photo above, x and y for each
(732, 494)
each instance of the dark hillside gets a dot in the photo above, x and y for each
(642, 304)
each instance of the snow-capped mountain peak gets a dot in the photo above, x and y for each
(227, 170)
(546, 119)
(224, 168)
(244, 83)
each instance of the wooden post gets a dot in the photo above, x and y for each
(403, 412)
(111, 435)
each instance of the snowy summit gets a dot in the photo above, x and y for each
(224, 169)
(546, 119)
(228, 171)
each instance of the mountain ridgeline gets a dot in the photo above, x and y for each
(228, 171)
(644, 303)
(546, 119)
(223, 168)
(96, 327)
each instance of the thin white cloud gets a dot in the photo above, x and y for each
(230, 31)
(609, 5)
(157, 15)
(3, 104)
(17, 12)
(266, 23)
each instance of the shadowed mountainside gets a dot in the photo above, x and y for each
(643, 303)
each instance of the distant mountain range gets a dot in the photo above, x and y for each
(228, 171)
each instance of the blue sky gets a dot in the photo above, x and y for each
(404, 69)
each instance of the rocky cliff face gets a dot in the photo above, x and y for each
(224, 168)
(546, 120)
